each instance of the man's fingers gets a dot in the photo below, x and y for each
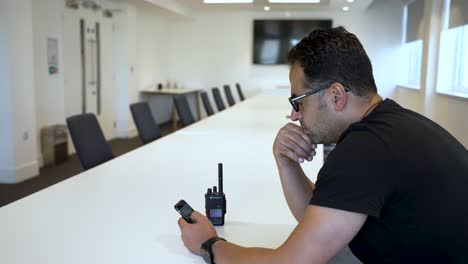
(297, 141)
(196, 215)
(311, 157)
(291, 154)
(300, 150)
(181, 222)
(300, 133)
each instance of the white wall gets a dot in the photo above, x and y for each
(448, 111)
(50, 103)
(215, 48)
(6, 128)
(18, 18)
(50, 89)
(153, 26)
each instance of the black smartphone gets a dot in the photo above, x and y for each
(184, 209)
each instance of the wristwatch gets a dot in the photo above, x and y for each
(206, 249)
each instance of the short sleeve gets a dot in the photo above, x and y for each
(356, 176)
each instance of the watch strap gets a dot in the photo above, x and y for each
(207, 246)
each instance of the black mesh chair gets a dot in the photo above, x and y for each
(144, 121)
(229, 97)
(239, 91)
(89, 141)
(183, 110)
(218, 100)
(207, 104)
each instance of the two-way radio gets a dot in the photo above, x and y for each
(215, 201)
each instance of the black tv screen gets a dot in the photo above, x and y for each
(273, 39)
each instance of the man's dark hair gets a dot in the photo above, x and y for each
(335, 55)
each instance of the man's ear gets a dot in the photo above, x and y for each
(339, 96)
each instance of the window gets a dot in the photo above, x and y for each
(411, 54)
(411, 50)
(452, 75)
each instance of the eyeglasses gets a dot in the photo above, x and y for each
(295, 104)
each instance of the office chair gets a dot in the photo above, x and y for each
(207, 104)
(89, 141)
(239, 91)
(144, 121)
(218, 100)
(183, 110)
(229, 97)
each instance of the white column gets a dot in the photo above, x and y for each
(18, 140)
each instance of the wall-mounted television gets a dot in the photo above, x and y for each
(273, 39)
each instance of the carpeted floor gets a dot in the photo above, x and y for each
(51, 175)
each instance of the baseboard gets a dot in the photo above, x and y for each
(130, 133)
(20, 173)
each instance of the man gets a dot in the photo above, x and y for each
(394, 188)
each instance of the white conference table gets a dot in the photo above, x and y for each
(122, 211)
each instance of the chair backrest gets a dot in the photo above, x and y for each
(218, 100)
(89, 141)
(183, 110)
(229, 97)
(239, 91)
(144, 121)
(207, 104)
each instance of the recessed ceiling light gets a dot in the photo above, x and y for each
(295, 1)
(266, 8)
(346, 8)
(227, 1)
(287, 14)
(350, 1)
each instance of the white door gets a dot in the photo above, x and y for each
(89, 66)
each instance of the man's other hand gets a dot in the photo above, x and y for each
(293, 142)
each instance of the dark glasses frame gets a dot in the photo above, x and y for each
(293, 100)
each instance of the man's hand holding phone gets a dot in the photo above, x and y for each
(195, 228)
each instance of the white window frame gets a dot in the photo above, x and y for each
(452, 73)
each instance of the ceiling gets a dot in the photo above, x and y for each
(326, 5)
(187, 7)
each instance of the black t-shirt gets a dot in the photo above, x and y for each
(410, 176)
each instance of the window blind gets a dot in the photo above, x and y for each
(458, 13)
(414, 21)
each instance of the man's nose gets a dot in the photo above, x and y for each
(295, 116)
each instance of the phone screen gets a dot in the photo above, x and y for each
(184, 209)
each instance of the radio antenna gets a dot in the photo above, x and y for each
(220, 177)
